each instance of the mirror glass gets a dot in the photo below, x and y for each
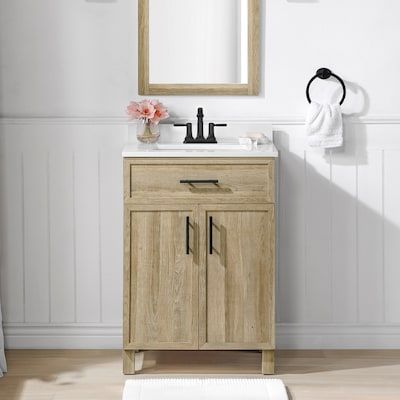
(198, 41)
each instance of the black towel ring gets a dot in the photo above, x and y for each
(325, 73)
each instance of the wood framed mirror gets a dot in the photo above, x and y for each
(199, 47)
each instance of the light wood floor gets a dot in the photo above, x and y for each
(96, 375)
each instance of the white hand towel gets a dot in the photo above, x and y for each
(324, 125)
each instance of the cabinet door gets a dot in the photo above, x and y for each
(161, 278)
(237, 277)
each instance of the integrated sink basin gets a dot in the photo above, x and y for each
(202, 146)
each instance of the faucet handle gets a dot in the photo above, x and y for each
(211, 134)
(189, 132)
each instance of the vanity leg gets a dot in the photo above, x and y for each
(268, 362)
(129, 362)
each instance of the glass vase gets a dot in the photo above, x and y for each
(147, 132)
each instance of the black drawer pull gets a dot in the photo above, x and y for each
(187, 235)
(211, 235)
(199, 181)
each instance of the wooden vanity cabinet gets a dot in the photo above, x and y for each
(199, 260)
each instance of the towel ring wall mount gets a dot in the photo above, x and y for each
(326, 73)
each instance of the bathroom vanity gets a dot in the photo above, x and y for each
(199, 248)
(199, 225)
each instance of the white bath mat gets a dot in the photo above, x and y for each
(204, 389)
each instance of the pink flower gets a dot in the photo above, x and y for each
(133, 110)
(146, 109)
(160, 113)
(149, 110)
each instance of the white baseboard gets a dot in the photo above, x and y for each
(288, 336)
(337, 336)
(63, 336)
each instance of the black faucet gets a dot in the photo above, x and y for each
(200, 130)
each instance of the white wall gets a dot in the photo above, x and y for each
(68, 68)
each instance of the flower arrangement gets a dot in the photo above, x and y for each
(151, 111)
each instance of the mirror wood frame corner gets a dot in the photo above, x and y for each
(251, 88)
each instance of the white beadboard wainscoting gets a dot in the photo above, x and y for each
(338, 269)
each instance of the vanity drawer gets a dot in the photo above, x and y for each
(199, 180)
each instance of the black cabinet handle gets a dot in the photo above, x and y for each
(211, 235)
(194, 181)
(187, 235)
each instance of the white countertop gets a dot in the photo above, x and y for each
(137, 150)
(228, 137)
